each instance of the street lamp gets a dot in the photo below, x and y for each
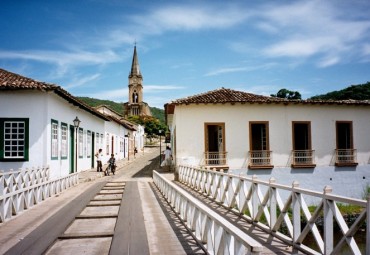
(128, 146)
(76, 123)
(160, 147)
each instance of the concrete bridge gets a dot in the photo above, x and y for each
(139, 211)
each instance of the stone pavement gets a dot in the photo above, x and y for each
(161, 232)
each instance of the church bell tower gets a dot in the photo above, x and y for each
(135, 105)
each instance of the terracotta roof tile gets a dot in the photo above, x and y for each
(223, 95)
(13, 81)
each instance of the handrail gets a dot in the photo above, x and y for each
(260, 203)
(215, 158)
(303, 157)
(219, 235)
(260, 158)
(22, 189)
(343, 156)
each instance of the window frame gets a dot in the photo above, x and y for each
(80, 143)
(263, 153)
(88, 143)
(64, 142)
(54, 142)
(337, 135)
(266, 123)
(25, 143)
(311, 152)
(352, 162)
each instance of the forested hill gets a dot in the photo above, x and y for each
(355, 92)
(118, 107)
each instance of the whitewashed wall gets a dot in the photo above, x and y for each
(189, 123)
(32, 105)
(41, 108)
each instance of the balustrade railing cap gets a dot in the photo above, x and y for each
(328, 189)
(295, 184)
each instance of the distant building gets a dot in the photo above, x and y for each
(317, 143)
(135, 105)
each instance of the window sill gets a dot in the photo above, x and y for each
(346, 164)
(13, 160)
(254, 167)
(304, 166)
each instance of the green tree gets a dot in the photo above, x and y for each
(355, 92)
(287, 94)
(152, 125)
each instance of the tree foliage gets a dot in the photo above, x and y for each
(152, 125)
(287, 94)
(118, 107)
(355, 92)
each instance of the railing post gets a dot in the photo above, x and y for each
(254, 198)
(296, 212)
(272, 203)
(368, 226)
(328, 223)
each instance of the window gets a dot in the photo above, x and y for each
(64, 131)
(302, 154)
(121, 144)
(259, 154)
(14, 139)
(80, 142)
(345, 153)
(101, 141)
(54, 139)
(215, 153)
(88, 153)
(97, 141)
(107, 143)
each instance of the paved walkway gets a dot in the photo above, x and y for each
(146, 225)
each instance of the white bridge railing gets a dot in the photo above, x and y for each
(260, 203)
(217, 234)
(20, 190)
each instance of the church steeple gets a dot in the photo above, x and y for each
(135, 68)
(135, 105)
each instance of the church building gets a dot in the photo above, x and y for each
(135, 105)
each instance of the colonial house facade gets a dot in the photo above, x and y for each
(317, 143)
(37, 128)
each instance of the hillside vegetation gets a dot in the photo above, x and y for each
(355, 92)
(118, 107)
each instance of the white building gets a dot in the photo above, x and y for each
(37, 129)
(317, 143)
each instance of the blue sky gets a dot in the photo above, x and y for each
(188, 47)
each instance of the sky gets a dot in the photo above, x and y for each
(187, 47)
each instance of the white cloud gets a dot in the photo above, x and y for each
(238, 69)
(119, 95)
(313, 28)
(328, 61)
(81, 81)
(63, 60)
(189, 17)
(151, 88)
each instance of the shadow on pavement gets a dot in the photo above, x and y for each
(189, 244)
(147, 171)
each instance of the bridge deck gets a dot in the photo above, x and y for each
(146, 224)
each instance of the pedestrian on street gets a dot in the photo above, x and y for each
(167, 162)
(99, 156)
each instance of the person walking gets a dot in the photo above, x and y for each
(167, 162)
(99, 156)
